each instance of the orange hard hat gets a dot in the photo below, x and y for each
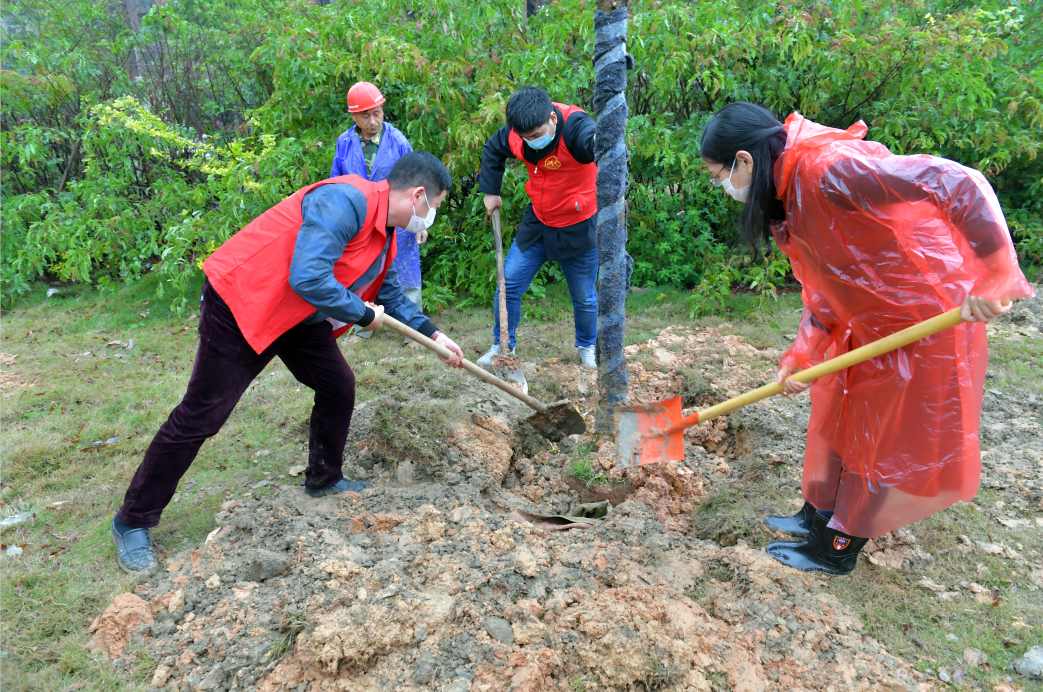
(363, 96)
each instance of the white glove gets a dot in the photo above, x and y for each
(444, 340)
(421, 237)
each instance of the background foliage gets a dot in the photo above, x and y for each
(127, 150)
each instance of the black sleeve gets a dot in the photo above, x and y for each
(494, 158)
(578, 136)
(863, 185)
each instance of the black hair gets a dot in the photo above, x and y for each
(423, 169)
(743, 126)
(528, 109)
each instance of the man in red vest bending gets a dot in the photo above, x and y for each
(286, 285)
(556, 144)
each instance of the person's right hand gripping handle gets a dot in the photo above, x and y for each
(494, 161)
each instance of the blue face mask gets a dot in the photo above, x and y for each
(540, 142)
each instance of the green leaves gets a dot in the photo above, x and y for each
(240, 103)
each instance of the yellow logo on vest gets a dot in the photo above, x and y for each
(551, 163)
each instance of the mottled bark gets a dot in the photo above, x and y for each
(610, 152)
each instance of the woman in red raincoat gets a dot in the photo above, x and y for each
(879, 242)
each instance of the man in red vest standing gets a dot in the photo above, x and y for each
(555, 142)
(287, 285)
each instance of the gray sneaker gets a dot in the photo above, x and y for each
(486, 361)
(587, 357)
(134, 550)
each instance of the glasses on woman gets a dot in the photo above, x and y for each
(717, 182)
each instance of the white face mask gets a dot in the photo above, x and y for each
(742, 194)
(417, 223)
(540, 142)
(544, 140)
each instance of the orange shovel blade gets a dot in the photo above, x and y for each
(639, 437)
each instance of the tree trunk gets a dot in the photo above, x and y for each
(135, 10)
(610, 152)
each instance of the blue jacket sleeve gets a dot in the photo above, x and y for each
(341, 164)
(401, 308)
(338, 160)
(333, 215)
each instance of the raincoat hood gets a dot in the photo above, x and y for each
(803, 136)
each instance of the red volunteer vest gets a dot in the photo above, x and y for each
(251, 271)
(563, 190)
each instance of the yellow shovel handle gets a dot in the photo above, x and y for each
(944, 321)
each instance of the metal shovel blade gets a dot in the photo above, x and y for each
(639, 439)
(515, 377)
(553, 421)
(559, 420)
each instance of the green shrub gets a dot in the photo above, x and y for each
(106, 177)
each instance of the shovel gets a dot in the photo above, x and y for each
(507, 366)
(553, 421)
(654, 433)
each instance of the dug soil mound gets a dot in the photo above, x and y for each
(425, 588)
(423, 583)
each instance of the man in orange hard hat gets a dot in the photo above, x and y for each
(369, 149)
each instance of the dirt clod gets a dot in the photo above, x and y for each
(449, 591)
(114, 628)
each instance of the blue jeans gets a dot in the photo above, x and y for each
(581, 273)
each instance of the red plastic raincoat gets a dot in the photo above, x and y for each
(880, 242)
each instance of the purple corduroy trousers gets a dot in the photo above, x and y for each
(225, 366)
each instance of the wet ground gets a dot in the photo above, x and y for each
(422, 583)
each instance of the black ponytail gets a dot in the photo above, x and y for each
(742, 126)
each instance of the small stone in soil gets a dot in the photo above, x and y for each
(500, 630)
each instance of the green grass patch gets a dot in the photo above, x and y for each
(413, 429)
(894, 607)
(582, 468)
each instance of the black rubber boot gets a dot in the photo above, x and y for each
(799, 524)
(824, 550)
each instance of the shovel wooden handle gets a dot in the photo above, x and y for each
(467, 365)
(944, 321)
(501, 284)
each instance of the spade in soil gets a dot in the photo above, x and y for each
(553, 421)
(653, 433)
(506, 365)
